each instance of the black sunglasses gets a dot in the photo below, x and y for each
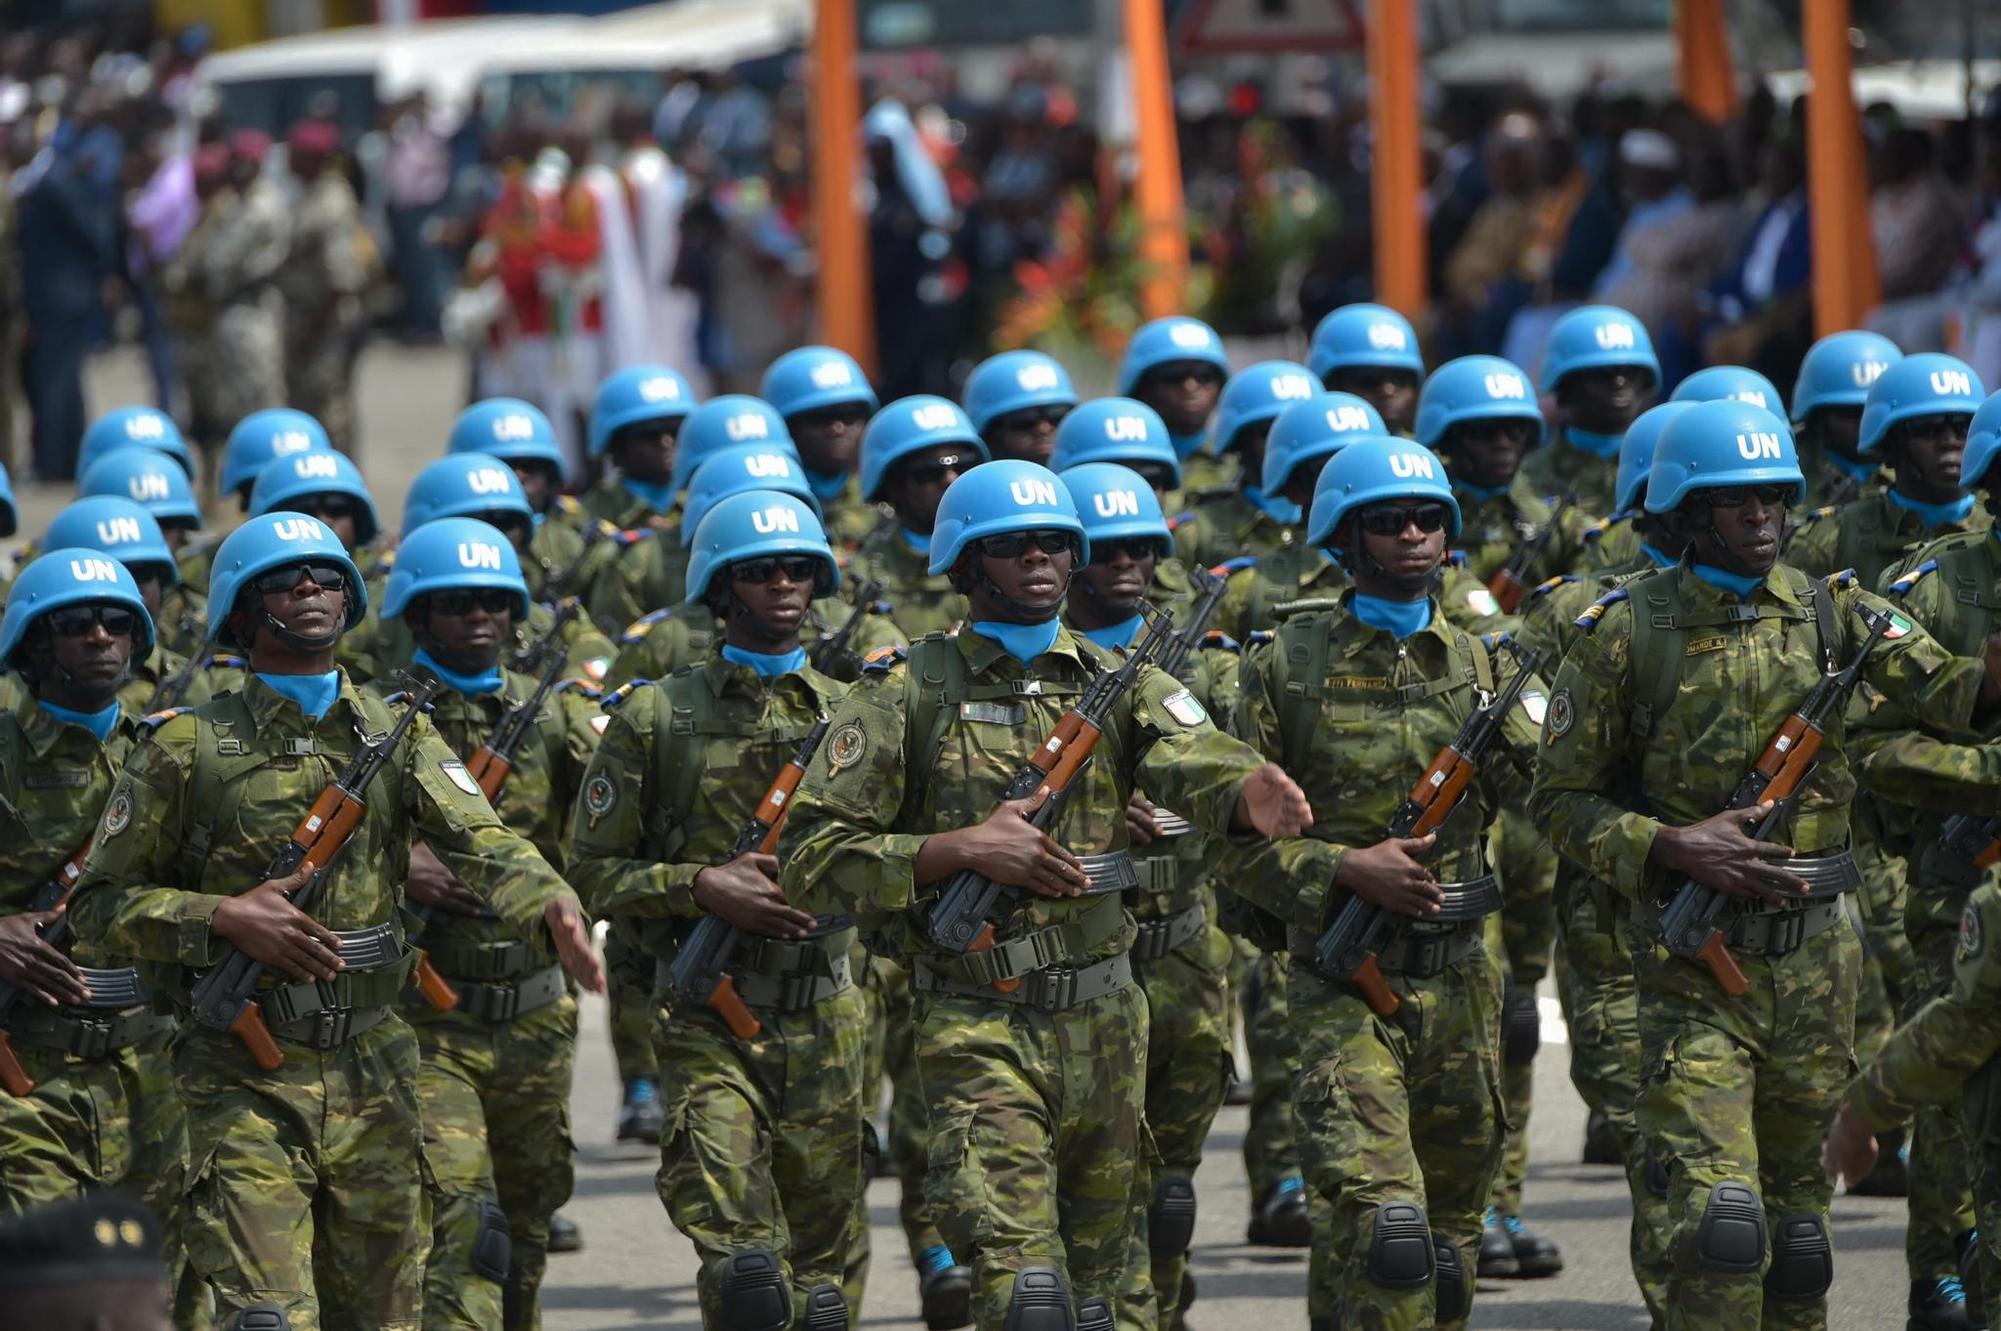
(504, 520)
(1014, 544)
(329, 507)
(1175, 371)
(493, 600)
(1385, 521)
(930, 473)
(1771, 496)
(840, 413)
(797, 568)
(1155, 475)
(327, 577)
(1942, 425)
(1135, 548)
(74, 621)
(1029, 417)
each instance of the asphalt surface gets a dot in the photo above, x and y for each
(637, 1272)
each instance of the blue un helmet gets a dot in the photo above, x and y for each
(71, 575)
(126, 427)
(813, 378)
(736, 470)
(1730, 383)
(1311, 430)
(753, 525)
(1258, 393)
(633, 394)
(285, 484)
(148, 479)
(1983, 444)
(1165, 341)
(263, 437)
(273, 541)
(450, 554)
(1720, 445)
(733, 418)
(116, 527)
(1636, 453)
(1597, 337)
(10, 517)
(911, 425)
(1475, 388)
(516, 432)
(1116, 429)
(1839, 369)
(998, 498)
(1926, 384)
(465, 485)
(1015, 381)
(1376, 471)
(1370, 336)
(1116, 504)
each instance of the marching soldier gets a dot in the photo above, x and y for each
(1228, 519)
(254, 443)
(635, 425)
(1600, 367)
(1370, 351)
(1125, 432)
(1834, 381)
(826, 401)
(134, 427)
(1177, 366)
(1015, 401)
(911, 453)
(154, 483)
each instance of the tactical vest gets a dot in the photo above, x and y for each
(1968, 610)
(1299, 660)
(937, 684)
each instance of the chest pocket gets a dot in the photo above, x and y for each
(710, 771)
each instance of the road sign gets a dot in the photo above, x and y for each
(1227, 27)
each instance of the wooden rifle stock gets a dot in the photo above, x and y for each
(249, 1027)
(1729, 976)
(1374, 989)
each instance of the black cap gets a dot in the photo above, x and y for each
(104, 1236)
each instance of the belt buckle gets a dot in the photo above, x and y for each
(330, 1027)
(504, 1003)
(90, 1037)
(1055, 988)
(1426, 956)
(795, 991)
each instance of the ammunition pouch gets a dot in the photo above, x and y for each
(324, 1014)
(118, 1016)
(1157, 938)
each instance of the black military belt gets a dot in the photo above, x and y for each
(507, 1000)
(1422, 956)
(795, 992)
(776, 957)
(1157, 938)
(485, 962)
(1053, 989)
(1111, 872)
(1097, 924)
(91, 1031)
(324, 1014)
(1776, 930)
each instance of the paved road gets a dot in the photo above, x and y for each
(636, 1271)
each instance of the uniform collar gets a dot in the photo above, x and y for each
(1694, 591)
(1354, 637)
(729, 677)
(268, 707)
(43, 730)
(1248, 518)
(982, 653)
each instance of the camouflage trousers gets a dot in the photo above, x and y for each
(1271, 1148)
(893, 1054)
(1980, 1107)
(307, 1189)
(763, 1144)
(1940, 1202)
(1889, 966)
(1037, 1148)
(1741, 1090)
(1399, 1109)
(1526, 933)
(629, 989)
(496, 1104)
(114, 1122)
(1601, 1009)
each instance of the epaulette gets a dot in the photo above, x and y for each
(1231, 567)
(1496, 640)
(1818, 515)
(1902, 586)
(1545, 588)
(569, 506)
(583, 688)
(1180, 520)
(1306, 605)
(1596, 531)
(1218, 641)
(1843, 581)
(154, 720)
(1588, 621)
(610, 702)
(640, 627)
(1456, 558)
(631, 536)
(884, 659)
(1258, 638)
(223, 662)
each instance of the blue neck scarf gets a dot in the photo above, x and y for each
(1743, 584)
(535, 520)
(313, 693)
(1860, 468)
(921, 544)
(1280, 509)
(1655, 553)
(99, 724)
(1187, 446)
(1935, 515)
(767, 665)
(472, 686)
(1481, 492)
(1114, 636)
(1024, 642)
(659, 495)
(826, 485)
(1399, 619)
(1604, 446)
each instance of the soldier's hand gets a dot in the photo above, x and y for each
(432, 884)
(1719, 853)
(1273, 803)
(1140, 827)
(1388, 875)
(35, 966)
(570, 931)
(1010, 849)
(745, 892)
(266, 926)
(1850, 1149)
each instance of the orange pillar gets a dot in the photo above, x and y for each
(1702, 44)
(847, 313)
(1399, 176)
(1163, 229)
(1845, 285)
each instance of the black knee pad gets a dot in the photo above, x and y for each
(1731, 1238)
(1400, 1255)
(259, 1317)
(492, 1243)
(1452, 1298)
(1656, 1175)
(826, 1309)
(1170, 1221)
(1521, 1027)
(753, 1293)
(1802, 1259)
(1040, 1301)
(1094, 1314)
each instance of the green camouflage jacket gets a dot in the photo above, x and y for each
(919, 602)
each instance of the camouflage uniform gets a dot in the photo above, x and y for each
(763, 1139)
(1561, 467)
(1495, 525)
(1035, 1111)
(323, 279)
(850, 519)
(1868, 536)
(1827, 482)
(495, 1080)
(661, 642)
(336, 1134)
(647, 574)
(1734, 1093)
(377, 647)
(225, 275)
(1222, 524)
(919, 602)
(1401, 1111)
(560, 548)
(610, 501)
(1609, 543)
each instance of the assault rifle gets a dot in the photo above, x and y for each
(1967, 846)
(1210, 584)
(558, 586)
(1511, 582)
(56, 933)
(831, 648)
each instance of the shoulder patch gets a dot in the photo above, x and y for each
(846, 746)
(1902, 586)
(599, 794)
(117, 814)
(1596, 531)
(1181, 705)
(1218, 641)
(222, 662)
(1560, 715)
(882, 660)
(1971, 940)
(1481, 602)
(1588, 621)
(455, 772)
(154, 720)
(637, 630)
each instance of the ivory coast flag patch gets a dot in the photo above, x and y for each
(1899, 626)
(1181, 705)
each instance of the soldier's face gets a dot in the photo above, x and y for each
(1184, 392)
(1393, 393)
(645, 450)
(538, 483)
(152, 586)
(465, 628)
(1840, 428)
(829, 438)
(307, 608)
(1606, 399)
(1250, 445)
(1031, 580)
(81, 662)
(1925, 454)
(1742, 535)
(916, 483)
(1488, 453)
(1402, 554)
(176, 534)
(1028, 435)
(1119, 573)
(775, 592)
(341, 513)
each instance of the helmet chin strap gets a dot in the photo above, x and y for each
(292, 638)
(1035, 613)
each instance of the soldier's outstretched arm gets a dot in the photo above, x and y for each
(127, 901)
(1922, 771)
(608, 833)
(1185, 761)
(840, 850)
(1927, 1061)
